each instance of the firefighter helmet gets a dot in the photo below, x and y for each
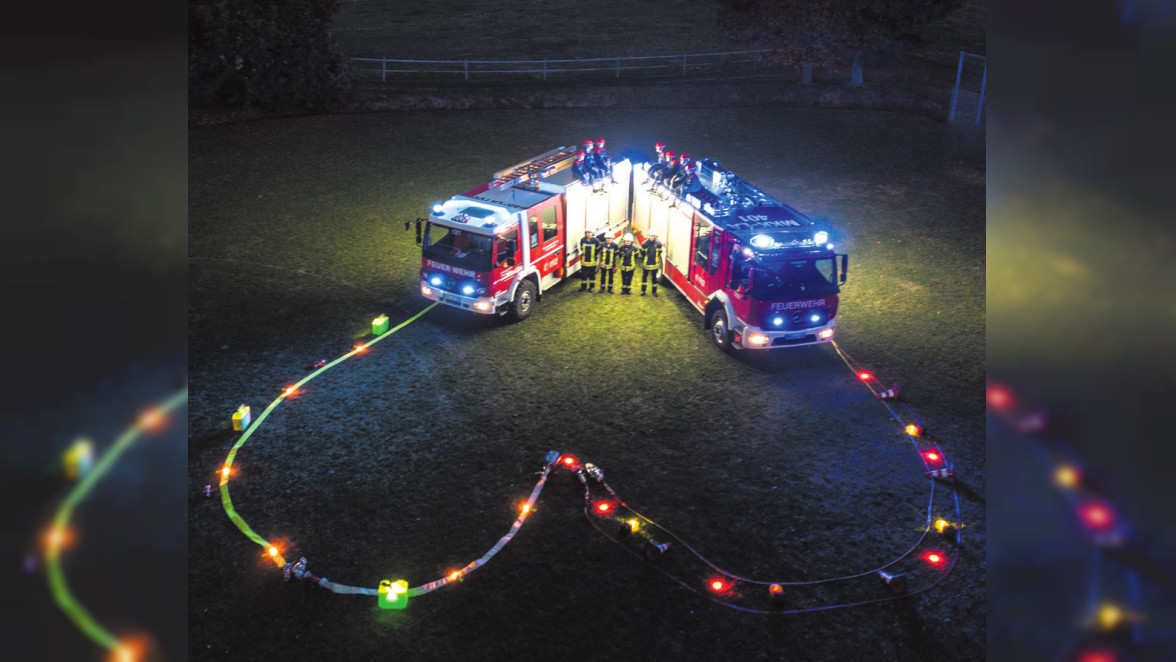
(660, 147)
(587, 145)
(670, 154)
(628, 236)
(652, 232)
(685, 158)
(580, 155)
(600, 142)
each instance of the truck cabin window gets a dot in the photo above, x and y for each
(789, 279)
(504, 249)
(459, 248)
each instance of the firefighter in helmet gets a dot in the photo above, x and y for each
(651, 259)
(582, 168)
(603, 161)
(667, 174)
(628, 257)
(589, 256)
(593, 164)
(656, 167)
(608, 262)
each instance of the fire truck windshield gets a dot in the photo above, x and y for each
(782, 278)
(459, 248)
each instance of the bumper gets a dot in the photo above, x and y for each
(753, 337)
(482, 305)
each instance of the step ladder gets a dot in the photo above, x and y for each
(534, 168)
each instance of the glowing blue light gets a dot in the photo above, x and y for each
(436, 280)
(829, 246)
(762, 241)
(467, 290)
(820, 237)
(437, 207)
(777, 320)
(815, 318)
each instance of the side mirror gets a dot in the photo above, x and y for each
(844, 267)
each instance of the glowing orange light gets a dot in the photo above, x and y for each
(129, 649)
(57, 537)
(152, 420)
(289, 390)
(1110, 616)
(359, 348)
(913, 430)
(226, 471)
(865, 376)
(526, 508)
(454, 575)
(273, 551)
(632, 524)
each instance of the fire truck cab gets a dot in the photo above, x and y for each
(495, 249)
(762, 274)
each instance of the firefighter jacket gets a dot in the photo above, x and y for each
(628, 256)
(603, 162)
(589, 252)
(651, 254)
(608, 255)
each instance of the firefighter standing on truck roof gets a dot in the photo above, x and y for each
(608, 262)
(603, 161)
(628, 256)
(589, 256)
(582, 168)
(651, 257)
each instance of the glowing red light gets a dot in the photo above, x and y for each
(999, 397)
(718, 585)
(865, 376)
(569, 460)
(1097, 655)
(604, 507)
(1096, 515)
(932, 456)
(934, 558)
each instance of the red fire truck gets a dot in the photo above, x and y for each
(497, 248)
(762, 274)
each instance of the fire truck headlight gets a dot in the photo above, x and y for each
(815, 317)
(820, 237)
(762, 241)
(436, 281)
(757, 339)
(482, 305)
(437, 207)
(426, 290)
(777, 321)
(467, 290)
(827, 333)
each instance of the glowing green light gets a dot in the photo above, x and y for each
(393, 594)
(380, 325)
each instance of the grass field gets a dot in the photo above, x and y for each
(412, 458)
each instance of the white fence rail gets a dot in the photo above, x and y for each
(652, 65)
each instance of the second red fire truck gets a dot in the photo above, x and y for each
(762, 274)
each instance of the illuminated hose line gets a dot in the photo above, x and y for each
(57, 584)
(857, 369)
(1030, 426)
(227, 502)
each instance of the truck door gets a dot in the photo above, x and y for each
(704, 269)
(545, 232)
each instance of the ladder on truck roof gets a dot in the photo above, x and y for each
(534, 168)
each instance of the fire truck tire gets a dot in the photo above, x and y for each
(720, 332)
(524, 301)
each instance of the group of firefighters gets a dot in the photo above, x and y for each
(609, 256)
(593, 165)
(673, 173)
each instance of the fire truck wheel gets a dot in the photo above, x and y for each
(524, 301)
(719, 331)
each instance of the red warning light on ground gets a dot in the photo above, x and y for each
(865, 376)
(290, 390)
(932, 456)
(1097, 655)
(569, 460)
(718, 585)
(935, 558)
(1096, 515)
(999, 397)
(604, 506)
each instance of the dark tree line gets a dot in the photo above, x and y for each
(825, 34)
(263, 53)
